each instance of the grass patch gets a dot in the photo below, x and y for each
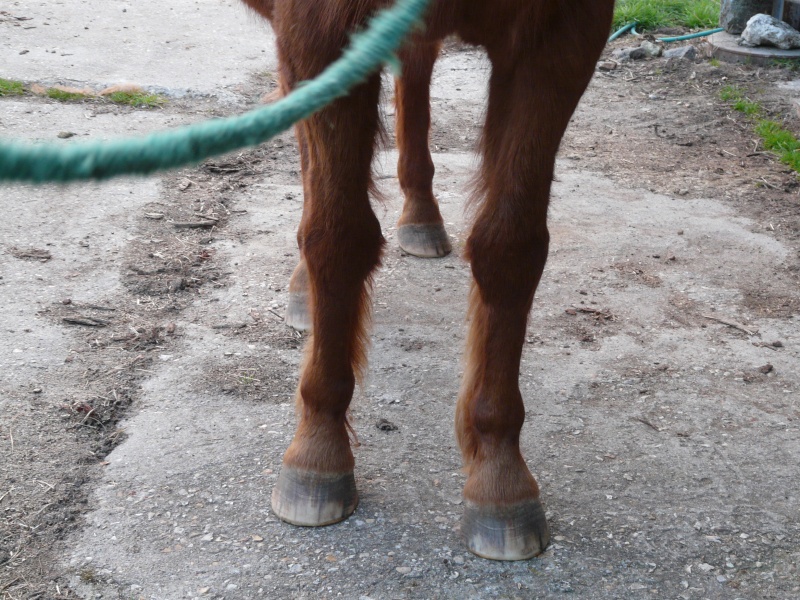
(791, 64)
(732, 94)
(747, 107)
(63, 96)
(137, 99)
(781, 141)
(652, 14)
(773, 135)
(9, 87)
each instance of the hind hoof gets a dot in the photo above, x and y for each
(298, 315)
(425, 241)
(515, 532)
(309, 499)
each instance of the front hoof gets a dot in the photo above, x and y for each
(312, 499)
(515, 532)
(425, 241)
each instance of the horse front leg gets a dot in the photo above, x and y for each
(538, 76)
(341, 243)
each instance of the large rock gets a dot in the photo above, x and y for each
(734, 14)
(763, 30)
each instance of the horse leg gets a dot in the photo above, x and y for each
(341, 245)
(420, 230)
(532, 94)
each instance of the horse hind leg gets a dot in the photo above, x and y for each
(420, 230)
(531, 99)
(298, 308)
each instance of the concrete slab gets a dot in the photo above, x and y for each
(724, 46)
(202, 45)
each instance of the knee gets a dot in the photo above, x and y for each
(507, 263)
(349, 244)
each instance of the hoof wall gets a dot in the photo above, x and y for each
(298, 315)
(425, 241)
(515, 532)
(313, 499)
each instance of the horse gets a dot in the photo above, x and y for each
(543, 55)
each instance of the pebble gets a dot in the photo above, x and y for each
(403, 570)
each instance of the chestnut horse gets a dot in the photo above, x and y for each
(543, 54)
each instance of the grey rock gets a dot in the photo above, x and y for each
(764, 30)
(687, 52)
(623, 54)
(651, 49)
(735, 13)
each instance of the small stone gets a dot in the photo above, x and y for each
(687, 52)
(651, 49)
(385, 425)
(64, 135)
(705, 567)
(777, 344)
(767, 368)
(623, 54)
(403, 570)
(607, 65)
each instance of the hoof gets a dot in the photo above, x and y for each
(515, 532)
(425, 241)
(298, 315)
(313, 499)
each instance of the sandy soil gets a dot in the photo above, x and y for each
(147, 378)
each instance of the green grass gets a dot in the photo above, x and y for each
(63, 96)
(652, 14)
(781, 141)
(732, 94)
(137, 99)
(747, 107)
(786, 63)
(10, 88)
(773, 135)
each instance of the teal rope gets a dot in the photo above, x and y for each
(189, 145)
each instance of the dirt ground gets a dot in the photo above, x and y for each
(147, 378)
